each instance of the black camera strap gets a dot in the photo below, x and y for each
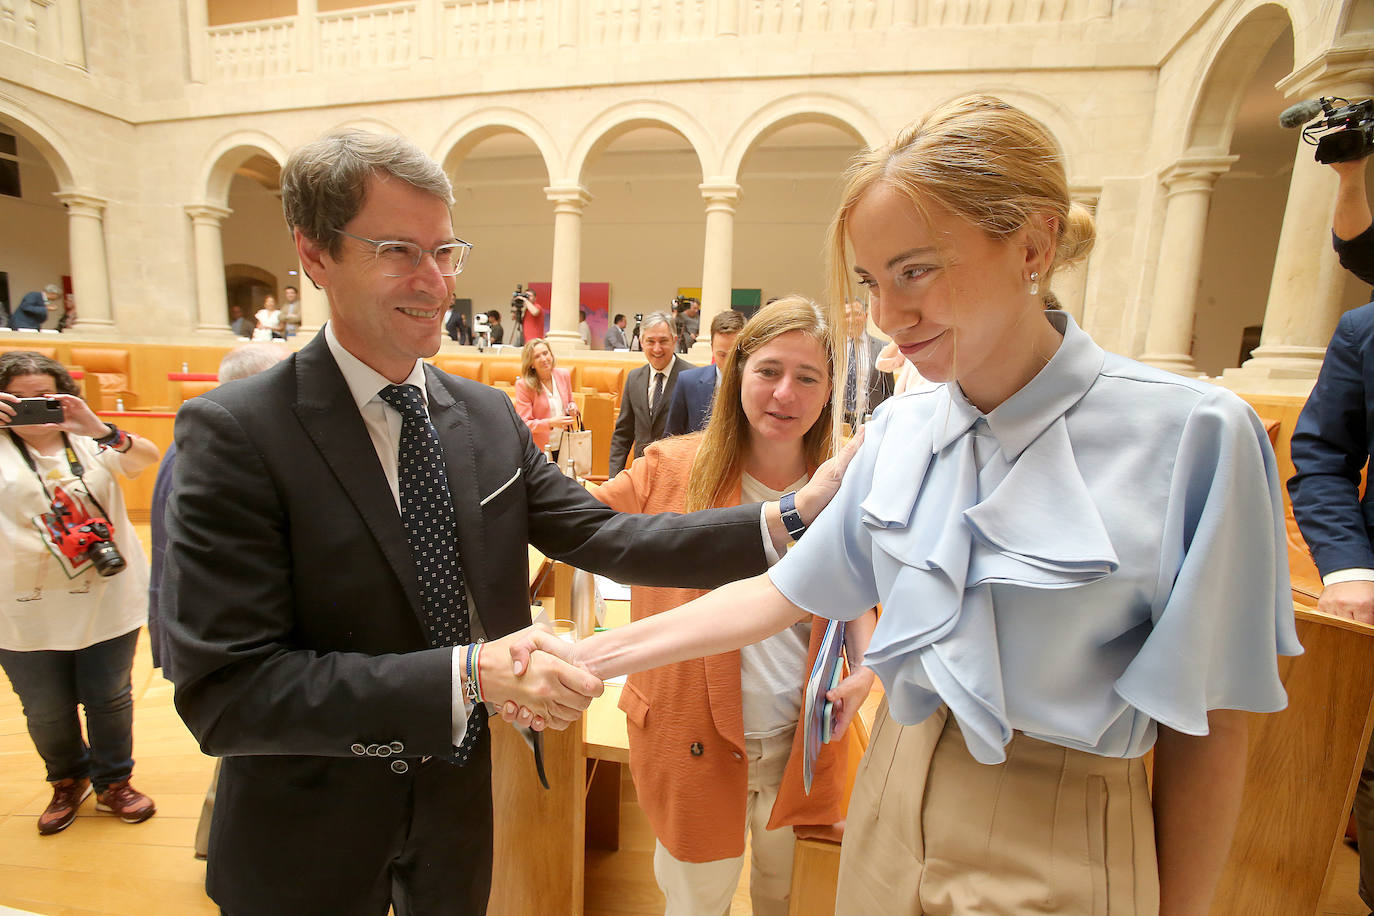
(73, 461)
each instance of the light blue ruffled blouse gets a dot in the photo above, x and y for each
(1102, 552)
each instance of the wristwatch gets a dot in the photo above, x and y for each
(791, 519)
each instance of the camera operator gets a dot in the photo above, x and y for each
(77, 589)
(495, 332)
(529, 317)
(1332, 442)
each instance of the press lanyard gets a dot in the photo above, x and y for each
(73, 462)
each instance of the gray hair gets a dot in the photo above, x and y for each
(324, 183)
(654, 318)
(250, 359)
(52, 289)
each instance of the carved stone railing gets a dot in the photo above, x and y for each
(368, 38)
(251, 50)
(480, 28)
(48, 28)
(391, 35)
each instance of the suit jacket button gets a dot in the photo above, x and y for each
(399, 766)
(397, 747)
(372, 750)
(697, 749)
(737, 755)
(358, 749)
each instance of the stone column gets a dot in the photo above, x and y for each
(727, 18)
(86, 255)
(73, 35)
(428, 27)
(307, 34)
(197, 45)
(1169, 339)
(717, 263)
(212, 301)
(1305, 289)
(568, 203)
(1070, 283)
(314, 304)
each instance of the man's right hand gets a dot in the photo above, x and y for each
(543, 686)
(1351, 600)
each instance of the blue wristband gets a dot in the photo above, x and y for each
(791, 519)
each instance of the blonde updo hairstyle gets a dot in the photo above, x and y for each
(719, 463)
(981, 159)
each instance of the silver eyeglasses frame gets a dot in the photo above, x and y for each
(414, 253)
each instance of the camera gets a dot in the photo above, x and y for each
(81, 536)
(481, 331)
(517, 302)
(36, 411)
(681, 304)
(1344, 131)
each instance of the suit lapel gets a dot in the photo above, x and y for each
(326, 410)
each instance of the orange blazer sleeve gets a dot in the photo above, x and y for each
(629, 490)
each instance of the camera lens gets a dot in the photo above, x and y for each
(106, 558)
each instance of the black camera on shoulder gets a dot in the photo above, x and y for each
(1343, 131)
(517, 303)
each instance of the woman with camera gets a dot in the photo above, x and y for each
(74, 582)
(543, 396)
(715, 751)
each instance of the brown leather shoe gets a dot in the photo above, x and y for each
(67, 796)
(125, 802)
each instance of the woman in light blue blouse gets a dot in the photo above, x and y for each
(1080, 558)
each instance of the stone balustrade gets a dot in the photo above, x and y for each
(396, 34)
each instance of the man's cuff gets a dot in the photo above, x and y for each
(769, 553)
(462, 709)
(1354, 574)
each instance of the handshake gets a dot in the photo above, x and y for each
(534, 678)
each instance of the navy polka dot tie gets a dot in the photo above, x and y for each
(432, 532)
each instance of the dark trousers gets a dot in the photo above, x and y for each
(349, 837)
(50, 684)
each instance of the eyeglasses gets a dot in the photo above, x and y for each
(401, 259)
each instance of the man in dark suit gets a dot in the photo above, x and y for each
(865, 386)
(1332, 442)
(648, 391)
(338, 544)
(695, 388)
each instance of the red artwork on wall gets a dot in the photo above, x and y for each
(594, 297)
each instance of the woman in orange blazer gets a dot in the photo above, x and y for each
(543, 394)
(715, 750)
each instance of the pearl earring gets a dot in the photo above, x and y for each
(1034, 283)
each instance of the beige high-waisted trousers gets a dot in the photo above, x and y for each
(933, 832)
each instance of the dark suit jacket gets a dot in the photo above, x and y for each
(292, 623)
(880, 384)
(637, 425)
(691, 406)
(1332, 441)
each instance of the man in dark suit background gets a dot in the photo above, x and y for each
(338, 541)
(865, 386)
(648, 391)
(1332, 442)
(695, 388)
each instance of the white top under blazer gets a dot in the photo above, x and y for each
(1102, 552)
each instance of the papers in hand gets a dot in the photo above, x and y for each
(817, 718)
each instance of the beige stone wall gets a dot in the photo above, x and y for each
(159, 124)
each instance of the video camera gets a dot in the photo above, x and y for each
(481, 331)
(517, 302)
(81, 536)
(1343, 133)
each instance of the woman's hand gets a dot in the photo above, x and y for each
(848, 696)
(572, 410)
(9, 404)
(560, 422)
(79, 418)
(825, 483)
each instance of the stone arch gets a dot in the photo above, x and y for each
(622, 118)
(71, 176)
(460, 139)
(803, 107)
(1061, 120)
(231, 152)
(1238, 48)
(371, 125)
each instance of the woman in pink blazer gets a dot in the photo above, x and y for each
(543, 394)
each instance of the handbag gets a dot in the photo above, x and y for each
(575, 451)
